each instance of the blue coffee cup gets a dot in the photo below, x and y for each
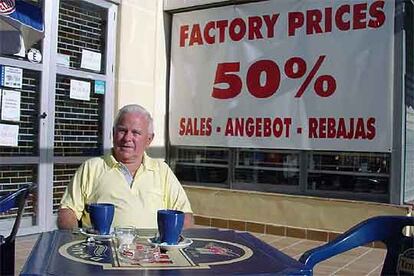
(101, 215)
(170, 225)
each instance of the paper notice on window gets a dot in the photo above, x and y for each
(80, 90)
(9, 135)
(91, 60)
(10, 105)
(11, 77)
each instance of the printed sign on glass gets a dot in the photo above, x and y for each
(10, 105)
(284, 74)
(11, 77)
(91, 60)
(80, 90)
(9, 135)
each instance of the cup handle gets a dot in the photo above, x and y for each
(180, 238)
(157, 238)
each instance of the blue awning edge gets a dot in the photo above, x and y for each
(28, 15)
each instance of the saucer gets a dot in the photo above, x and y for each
(89, 233)
(184, 242)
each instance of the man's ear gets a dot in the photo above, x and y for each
(113, 135)
(150, 138)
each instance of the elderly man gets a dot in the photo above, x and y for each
(136, 184)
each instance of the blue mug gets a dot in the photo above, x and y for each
(101, 215)
(170, 225)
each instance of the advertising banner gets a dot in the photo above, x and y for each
(284, 74)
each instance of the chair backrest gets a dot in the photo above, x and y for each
(16, 199)
(388, 229)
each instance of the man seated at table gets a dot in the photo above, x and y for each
(136, 184)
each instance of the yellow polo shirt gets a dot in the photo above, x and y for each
(100, 179)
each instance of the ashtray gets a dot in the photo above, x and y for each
(139, 252)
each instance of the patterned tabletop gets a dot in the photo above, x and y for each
(212, 251)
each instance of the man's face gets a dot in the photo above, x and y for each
(131, 138)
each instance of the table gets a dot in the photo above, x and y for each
(213, 252)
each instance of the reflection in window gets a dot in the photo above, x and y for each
(12, 178)
(266, 167)
(351, 172)
(201, 165)
(351, 175)
(15, 43)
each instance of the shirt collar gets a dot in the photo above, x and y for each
(147, 162)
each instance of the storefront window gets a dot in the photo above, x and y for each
(296, 115)
(202, 165)
(22, 31)
(81, 33)
(350, 175)
(19, 158)
(269, 167)
(57, 70)
(352, 172)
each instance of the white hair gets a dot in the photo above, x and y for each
(135, 108)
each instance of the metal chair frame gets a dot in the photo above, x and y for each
(17, 200)
(388, 229)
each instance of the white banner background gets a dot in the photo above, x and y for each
(360, 60)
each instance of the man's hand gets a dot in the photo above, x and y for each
(188, 220)
(67, 219)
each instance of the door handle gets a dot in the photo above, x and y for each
(43, 115)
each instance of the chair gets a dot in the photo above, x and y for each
(16, 199)
(388, 229)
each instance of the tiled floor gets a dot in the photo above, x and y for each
(24, 245)
(360, 261)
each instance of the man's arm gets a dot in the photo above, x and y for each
(176, 197)
(188, 220)
(66, 219)
(73, 201)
